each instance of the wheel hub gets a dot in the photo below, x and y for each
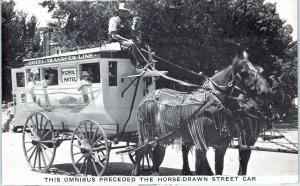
(35, 142)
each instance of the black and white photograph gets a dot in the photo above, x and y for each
(130, 92)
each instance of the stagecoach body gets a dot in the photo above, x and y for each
(51, 105)
(113, 100)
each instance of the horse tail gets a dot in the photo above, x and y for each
(146, 117)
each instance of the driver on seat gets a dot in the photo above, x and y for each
(119, 30)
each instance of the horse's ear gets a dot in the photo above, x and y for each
(235, 62)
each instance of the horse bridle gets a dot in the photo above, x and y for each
(232, 85)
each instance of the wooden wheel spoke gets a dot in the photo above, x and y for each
(35, 158)
(32, 122)
(46, 134)
(82, 164)
(90, 134)
(48, 141)
(78, 138)
(30, 149)
(41, 124)
(81, 132)
(43, 157)
(86, 166)
(30, 136)
(45, 149)
(44, 128)
(97, 160)
(95, 166)
(86, 132)
(32, 154)
(77, 153)
(37, 124)
(39, 157)
(32, 131)
(101, 147)
(100, 138)
(95, 134)
(79, 159)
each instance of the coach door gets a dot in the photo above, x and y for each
(18, 85)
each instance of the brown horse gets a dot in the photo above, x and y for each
(200, 118)
(248, 124)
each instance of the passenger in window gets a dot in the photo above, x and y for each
(30, 86)
(91, 74)
(52, 79)
(45, 86)
(84, 87)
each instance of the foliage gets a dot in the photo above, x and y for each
(200, 35)
(18, 40)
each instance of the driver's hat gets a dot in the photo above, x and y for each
(122, 6)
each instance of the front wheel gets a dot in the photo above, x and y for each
(90, 149)
(39, 143)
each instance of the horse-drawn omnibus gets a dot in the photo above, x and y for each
(96, 98)
(88, 96)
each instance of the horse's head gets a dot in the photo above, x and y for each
(250, 81)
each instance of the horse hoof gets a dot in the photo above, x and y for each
(155, 174)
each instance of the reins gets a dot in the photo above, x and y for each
(222, 89)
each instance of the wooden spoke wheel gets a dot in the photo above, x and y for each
(146, 162)
(39, 143)
(89, 149)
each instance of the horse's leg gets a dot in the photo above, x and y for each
(220, 151)
(244, 156)
(185, 148)
(158, 154)
(137, 164)
(202, 165)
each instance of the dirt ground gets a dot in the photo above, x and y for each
(16, 170)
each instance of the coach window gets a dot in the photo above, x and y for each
(33, 74)
(112, 73)
(92, 70)
(20, 79)
(50, 75)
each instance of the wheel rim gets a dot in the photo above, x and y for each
(39, 144)
(89, 149)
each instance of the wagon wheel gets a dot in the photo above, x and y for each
(39, 143)
(89, 149)
(146, 162)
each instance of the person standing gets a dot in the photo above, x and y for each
(84, 87)
(30, 87)
(136, 29)
(9, 117)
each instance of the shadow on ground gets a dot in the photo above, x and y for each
(113, 169)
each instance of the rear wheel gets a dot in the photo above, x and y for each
(39, 143)
(89, 149)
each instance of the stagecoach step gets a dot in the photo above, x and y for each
(271, 137)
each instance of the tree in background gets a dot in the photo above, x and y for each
(199, 35)
(18, 35)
